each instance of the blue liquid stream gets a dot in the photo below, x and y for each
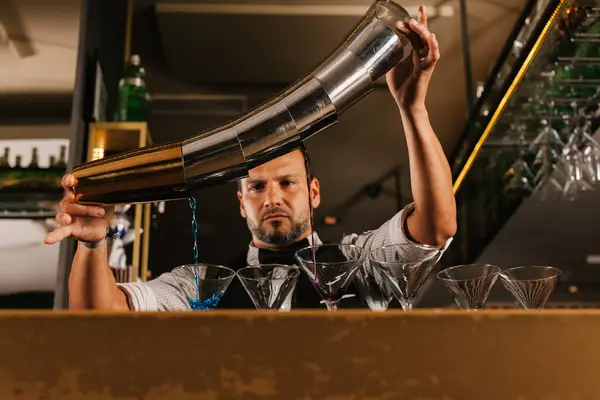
(211, 302)
(192, 202)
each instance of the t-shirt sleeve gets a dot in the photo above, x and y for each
(390, 233)
(168, 292)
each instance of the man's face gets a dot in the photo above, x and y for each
(274, 200)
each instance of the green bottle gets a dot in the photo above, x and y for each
(4, 168)
(5, 158)
(62, 158)
(17, 173)
(134, 99)
(57, 168)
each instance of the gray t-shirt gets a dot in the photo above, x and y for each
(171, 291)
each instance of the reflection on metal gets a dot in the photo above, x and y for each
(513, 86)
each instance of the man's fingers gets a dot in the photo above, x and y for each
(68, 181)
(58, 234)
(69, 198)
(412, 36)
(434, 49)
(420, 29)
(63, 218)
(423, 15)
(77, 210)
(68, 205)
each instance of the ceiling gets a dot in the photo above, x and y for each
(39, 51)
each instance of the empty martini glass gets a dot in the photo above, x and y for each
(207, 286)
(406, 267)
(373, 286)
(470, 284)
(269, 285)
(530, 286)
(330, 268)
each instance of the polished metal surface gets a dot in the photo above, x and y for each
(276, 127)
(151, 173)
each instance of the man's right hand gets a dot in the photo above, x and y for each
(86, 223)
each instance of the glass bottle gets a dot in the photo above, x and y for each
(134, 98)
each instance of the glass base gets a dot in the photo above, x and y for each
(406, 305)
(331, 305)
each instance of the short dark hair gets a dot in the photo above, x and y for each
(309, 168)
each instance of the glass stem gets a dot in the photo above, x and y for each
(407, 305)
(331, 305)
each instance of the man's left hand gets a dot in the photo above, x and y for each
(408, 80)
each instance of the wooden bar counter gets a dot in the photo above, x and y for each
(301, 355)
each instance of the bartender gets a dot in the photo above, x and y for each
(274, 202)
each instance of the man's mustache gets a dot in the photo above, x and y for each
(273, 212)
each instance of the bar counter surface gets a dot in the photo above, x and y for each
(301, 355)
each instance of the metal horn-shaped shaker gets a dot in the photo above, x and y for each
(278, 126)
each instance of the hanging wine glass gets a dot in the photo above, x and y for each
(547, 156)
(519, 178)
(576, 183)
(547, 137)
(573, 160)
(570, 133)
(591, 154)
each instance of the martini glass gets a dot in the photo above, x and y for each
(330, 268)
(269, 285)
(406, 267)
(373, 287)
(470, 284)
(530, 286)
(207, 285)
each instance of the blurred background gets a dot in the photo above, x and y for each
(507, 72)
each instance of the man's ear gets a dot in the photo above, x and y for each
(242, 208)
(315, 192)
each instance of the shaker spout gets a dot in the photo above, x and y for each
(151, 173)
(276, 127)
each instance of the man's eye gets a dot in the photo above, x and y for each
(286, 183)
(257, 187)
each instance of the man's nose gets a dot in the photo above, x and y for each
(273, 196)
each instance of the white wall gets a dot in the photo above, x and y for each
(26, 264)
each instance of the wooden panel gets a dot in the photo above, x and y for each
(425, 354)
(116, 137)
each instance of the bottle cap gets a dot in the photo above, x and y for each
(134, 60)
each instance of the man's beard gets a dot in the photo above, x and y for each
(277, 237)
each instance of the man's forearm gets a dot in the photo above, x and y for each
(92, 284)
(434, 218)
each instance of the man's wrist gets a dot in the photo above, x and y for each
(413, 111)
(93, 245)
(411, 97)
